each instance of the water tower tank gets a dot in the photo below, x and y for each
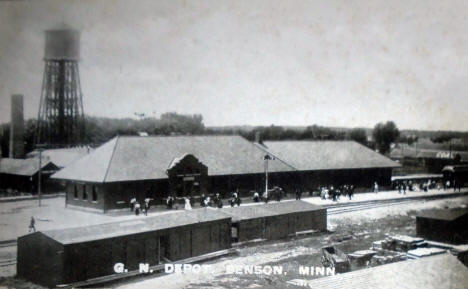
(61, 117)
(62, 44)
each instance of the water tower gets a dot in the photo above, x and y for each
(60, 117)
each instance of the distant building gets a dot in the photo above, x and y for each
(416, 161)
(62, 157)
(127, 167)
(22, 174)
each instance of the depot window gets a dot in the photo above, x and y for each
(94, 194)
(85, 195)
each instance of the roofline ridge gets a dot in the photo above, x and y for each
(183, 135)
(111, 158)
(312, 140)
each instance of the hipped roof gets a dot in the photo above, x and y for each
(142, 158)
(62, 157)
(327, 155)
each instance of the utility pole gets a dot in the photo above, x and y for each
(40, 148)
(266, 158)
(39, 177)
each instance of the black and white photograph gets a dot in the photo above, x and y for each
(234, 144)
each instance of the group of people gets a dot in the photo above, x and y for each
(214, 201)
(335, 193)
(456, 184)
(426, 185)
(136, 207)
(205, 201)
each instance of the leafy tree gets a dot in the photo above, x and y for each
(384, 135)
(359, 135)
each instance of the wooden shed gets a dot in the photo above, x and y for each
(77, 254)
(22, 174)
(275, 220)
(443, 225)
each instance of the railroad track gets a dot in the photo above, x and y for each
(8, 244)
(366, 205)
(7, 262)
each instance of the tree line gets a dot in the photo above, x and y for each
(100, 129)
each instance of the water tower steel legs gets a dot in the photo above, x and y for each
(61, 119)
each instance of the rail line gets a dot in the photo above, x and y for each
(365, 205)
(360, 207)
(7, 262)
(8, 244)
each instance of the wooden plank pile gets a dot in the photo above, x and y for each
(398, 243)
(424, 252)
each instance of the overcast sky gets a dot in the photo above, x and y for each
(334, 63)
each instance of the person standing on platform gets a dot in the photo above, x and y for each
(147, 205)
(187, 206)
(323, 193)
(207, 202)
(332, 193)
(132, 203)
(256, 197)
(32, 225)
(351, 192)
(202, 200)
(298, 193)
(170, 202)
(376, 187)
(137, 208)
(217, 201)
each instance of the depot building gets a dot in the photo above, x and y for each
(159, 166)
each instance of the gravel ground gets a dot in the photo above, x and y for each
(359, 229)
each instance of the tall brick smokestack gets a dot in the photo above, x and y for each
(17, 127)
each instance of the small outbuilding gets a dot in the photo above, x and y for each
(22, 174)
(457, 174)
(443, 225)
(77, 254)
(275, 220)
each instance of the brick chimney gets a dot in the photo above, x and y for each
(16, 127)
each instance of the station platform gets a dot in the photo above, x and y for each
(54, 215)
